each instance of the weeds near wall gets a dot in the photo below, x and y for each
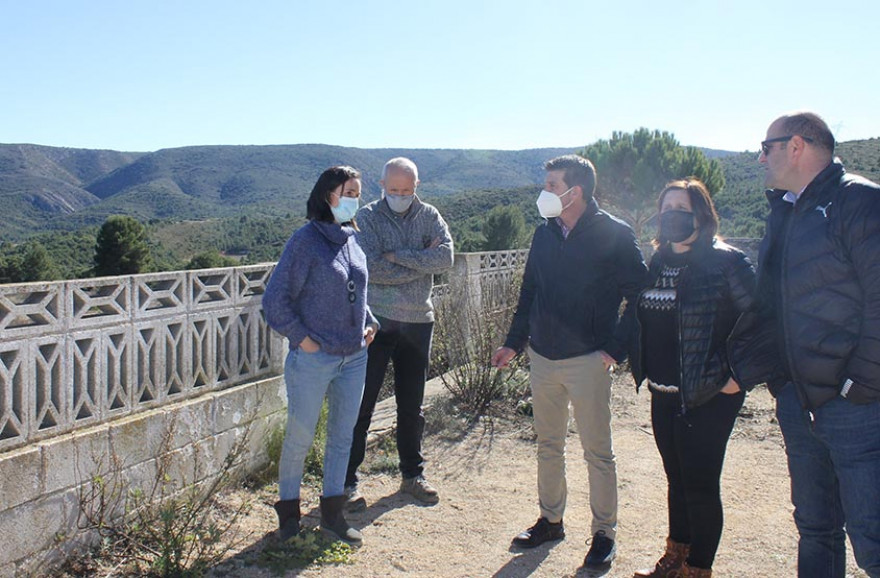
(470, 326)
(308, 549)
(170, 527)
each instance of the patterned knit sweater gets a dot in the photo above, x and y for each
(658, 315)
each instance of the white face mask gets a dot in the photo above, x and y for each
(399, 203)
(345, 210)
(550, 204)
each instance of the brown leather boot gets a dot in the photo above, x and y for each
(691, 572)
(669, 564)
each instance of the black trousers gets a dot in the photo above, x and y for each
(408, 347)
(692, 447)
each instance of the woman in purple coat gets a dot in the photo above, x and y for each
(317, 298)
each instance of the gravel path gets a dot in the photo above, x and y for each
(487, 475)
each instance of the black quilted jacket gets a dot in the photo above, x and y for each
(713, 291)
(829, 305)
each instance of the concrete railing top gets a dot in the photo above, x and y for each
(76, 353)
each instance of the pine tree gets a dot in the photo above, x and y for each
(633, 168)
(121, 247)
(504, 228)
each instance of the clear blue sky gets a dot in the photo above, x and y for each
(139, 76)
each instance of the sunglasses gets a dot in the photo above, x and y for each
(765, 145)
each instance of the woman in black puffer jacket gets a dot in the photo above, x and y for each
(697, 289)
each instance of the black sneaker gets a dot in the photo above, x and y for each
(602, 550)
(542, 531)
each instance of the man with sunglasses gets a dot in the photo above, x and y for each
(814, 338)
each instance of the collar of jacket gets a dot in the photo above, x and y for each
(807, 199)
(333, 232)
(591, 211)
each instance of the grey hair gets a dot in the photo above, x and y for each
(402, 164)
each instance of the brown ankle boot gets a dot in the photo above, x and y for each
(691, 572)
(669, 564)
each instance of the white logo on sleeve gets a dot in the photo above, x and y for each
(823, 210)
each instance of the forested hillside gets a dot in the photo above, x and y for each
(244, 202)
(46, 188)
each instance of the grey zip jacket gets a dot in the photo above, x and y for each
(401, 290)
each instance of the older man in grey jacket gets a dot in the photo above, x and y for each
(406, 242)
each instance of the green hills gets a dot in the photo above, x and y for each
(46, 188)
(244, 201)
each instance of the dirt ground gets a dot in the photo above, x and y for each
(487, 480)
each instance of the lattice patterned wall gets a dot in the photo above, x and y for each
(77, 353)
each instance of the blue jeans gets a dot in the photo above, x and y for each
(834, 464)
(309, 376)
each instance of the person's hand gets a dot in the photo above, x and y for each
(370, 334)
(434, 243)
(502, 357)
(309, 345)
(731, 387)
(610, 362)
(389, 256)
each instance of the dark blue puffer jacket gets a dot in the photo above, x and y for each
(828, 305)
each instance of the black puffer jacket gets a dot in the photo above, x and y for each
(713, 291)
(829, 302)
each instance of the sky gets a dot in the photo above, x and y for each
(141, 76)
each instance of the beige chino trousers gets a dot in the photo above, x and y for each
(586, 384)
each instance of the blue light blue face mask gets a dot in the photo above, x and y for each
(345, 210)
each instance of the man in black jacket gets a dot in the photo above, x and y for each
(582, 263)
(815, 339)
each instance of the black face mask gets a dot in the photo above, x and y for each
(676, 226)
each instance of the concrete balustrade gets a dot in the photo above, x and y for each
(94, 370)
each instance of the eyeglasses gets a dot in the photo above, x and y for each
(765, 145)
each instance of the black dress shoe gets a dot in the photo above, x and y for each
(542, 531)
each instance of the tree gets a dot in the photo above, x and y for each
(633, 168)
(504, 228)
(210, 260)
(28, 263)
(121, 247)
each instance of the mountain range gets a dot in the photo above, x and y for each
(45, 188)
(49, 188)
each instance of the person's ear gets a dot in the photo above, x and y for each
(798, 145)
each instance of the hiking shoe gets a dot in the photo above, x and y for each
(419, 488)
(602, 550)
(354, 500)
(542, 531)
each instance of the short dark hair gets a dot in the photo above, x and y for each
(702, 205)
(579, 171)
(318, 205)
(810, 126)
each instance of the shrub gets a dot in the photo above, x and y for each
(469, 330)
(171, 527)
